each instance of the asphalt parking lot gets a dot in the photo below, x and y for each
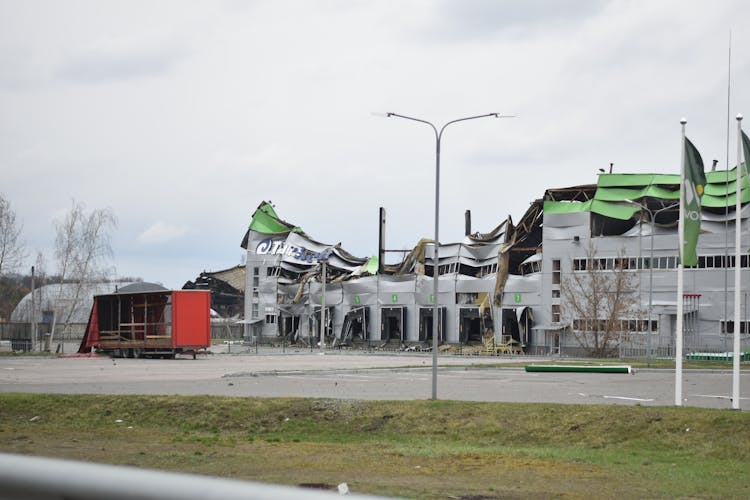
(359, 375)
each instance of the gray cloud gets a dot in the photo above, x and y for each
(470, 19)
(216, 107)
(108, 65)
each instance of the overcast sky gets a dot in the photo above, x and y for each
(182, 116)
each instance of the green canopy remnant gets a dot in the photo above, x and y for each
(372, 265)
(622, 194)
(720, 191)
(608, 209)
(566, 207)
(631, 180)
(266, 221)
(722, 176)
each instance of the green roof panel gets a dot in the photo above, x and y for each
(622, 194)
(567, 207)
(266, 221)
(636, 180)
(372, 265)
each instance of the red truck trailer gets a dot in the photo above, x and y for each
(145, 324)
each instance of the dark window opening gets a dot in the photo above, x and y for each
(470, 325)
(289, 327)
(511, 327)
(469, 270)
(608, 226)
(426, 325)
(392, 323)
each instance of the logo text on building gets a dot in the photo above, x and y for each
(279, 247)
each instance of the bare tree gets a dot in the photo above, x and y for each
(82, 250)
(600, 303)
(12, 252)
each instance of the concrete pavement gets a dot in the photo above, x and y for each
(360, 375)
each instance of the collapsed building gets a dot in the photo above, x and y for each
(227, 288)
(367, 300)
(508, 286)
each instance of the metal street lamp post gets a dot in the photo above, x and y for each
(436, 263)
(323, 280)
(652, 216)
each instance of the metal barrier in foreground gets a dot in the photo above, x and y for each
(37, 478)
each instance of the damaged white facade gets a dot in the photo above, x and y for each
(610, 226)
(507, 283)
(366, 302)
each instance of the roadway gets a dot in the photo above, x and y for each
(357, 375)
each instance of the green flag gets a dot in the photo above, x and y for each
(694, 182)
(746, 151)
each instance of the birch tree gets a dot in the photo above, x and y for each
(82, 251)
(600, 304)
(12, 252)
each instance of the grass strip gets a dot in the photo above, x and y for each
(418, 449)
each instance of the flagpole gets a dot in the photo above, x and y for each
(737, 272)
(680, 285)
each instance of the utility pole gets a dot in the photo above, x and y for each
(33, 313)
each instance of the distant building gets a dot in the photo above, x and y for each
(227, 289)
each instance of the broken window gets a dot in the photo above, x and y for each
(273, 271)
(314, 324)
(470, 270)
(448, 268)
(355, 325)
(510, 324)
(289, 326)
(466, 298)
(601, 225)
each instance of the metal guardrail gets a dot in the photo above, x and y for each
(38, 478)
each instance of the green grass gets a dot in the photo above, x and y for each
(421, 449)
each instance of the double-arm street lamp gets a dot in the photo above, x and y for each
(652, 215)
(436, 263)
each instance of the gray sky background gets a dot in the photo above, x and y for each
(182, 116)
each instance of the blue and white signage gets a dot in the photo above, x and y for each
(297, 252)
